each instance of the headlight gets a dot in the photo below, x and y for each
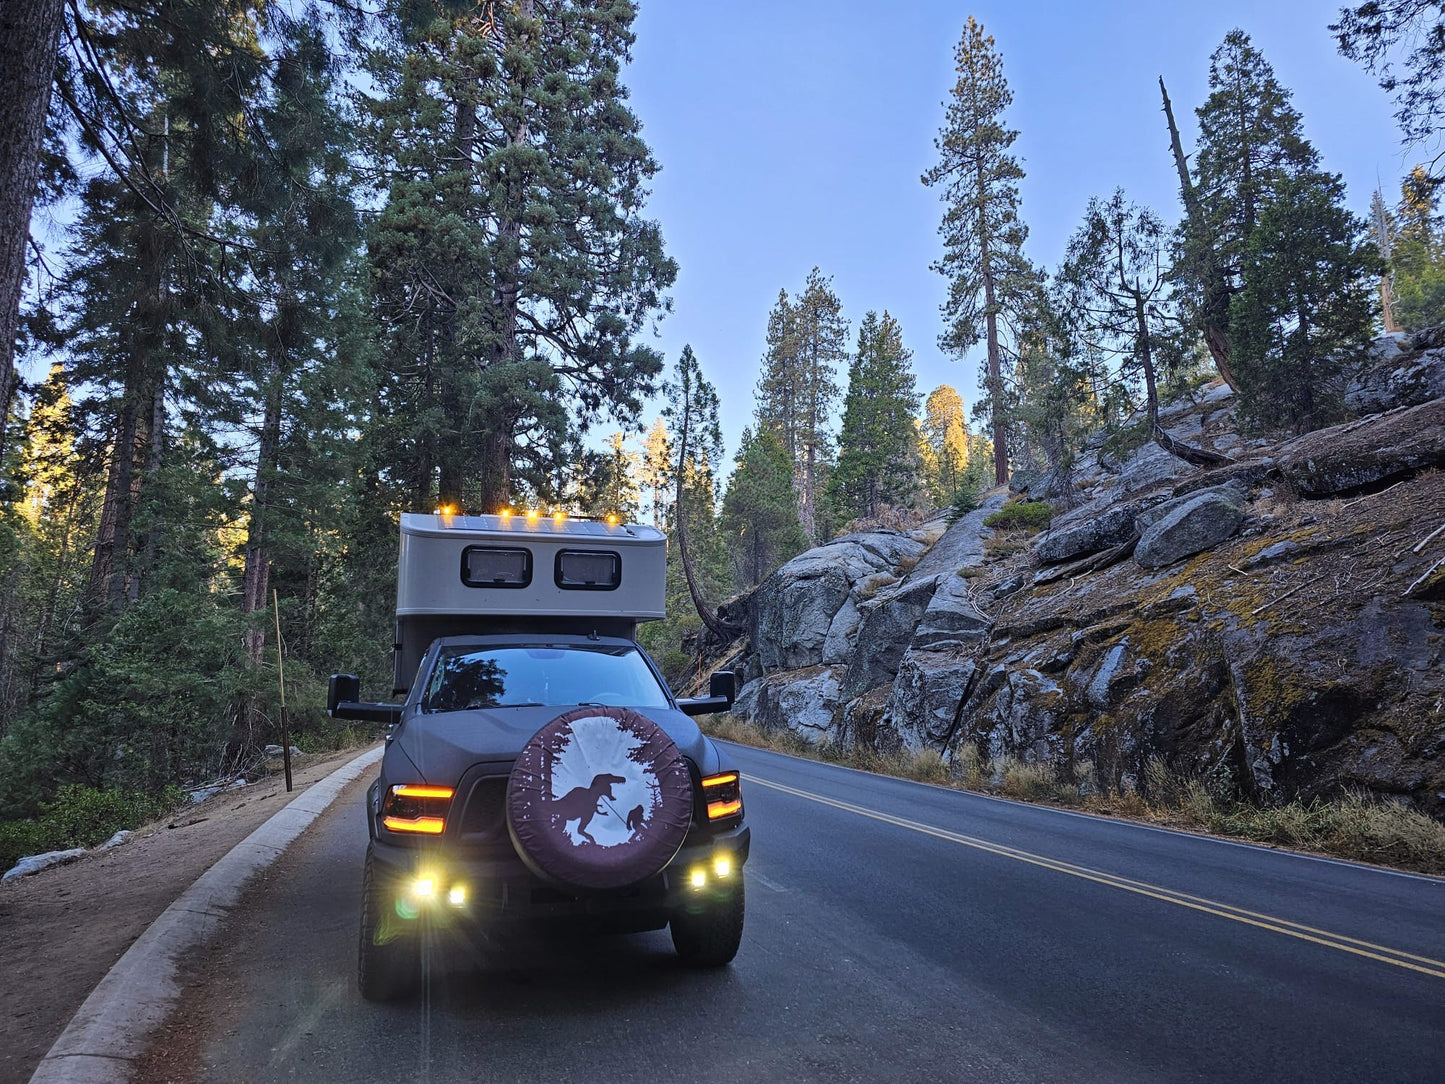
(723, 795)
(416, 808)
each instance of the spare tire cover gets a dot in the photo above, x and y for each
(599, 798)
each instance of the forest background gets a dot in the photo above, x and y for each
(295, 270)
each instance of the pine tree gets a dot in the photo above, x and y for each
(655, 475)
(692, 412)
(1115, 285)
(1417, 254)
(944, 444)
(1305, 313)
(983, 235)
(609, 484)
(515, 268)
(807, 340)
(877, 462)
(1249, 141)
(760, 513)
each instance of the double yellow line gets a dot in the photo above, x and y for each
(1423, 964)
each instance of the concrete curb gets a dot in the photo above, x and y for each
(114, 1025)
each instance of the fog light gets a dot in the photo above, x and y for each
(722, 865)
(423, 888)
(698, 878)
(457, 896)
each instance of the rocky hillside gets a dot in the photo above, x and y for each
(1280, 620)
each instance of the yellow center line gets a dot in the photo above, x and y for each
(1423, 964)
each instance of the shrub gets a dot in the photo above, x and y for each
(1021, 516)
(963, 504)
(81, 816)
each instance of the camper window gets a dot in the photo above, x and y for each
(488, 566)
(588, 570)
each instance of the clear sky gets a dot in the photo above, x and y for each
(793, 133)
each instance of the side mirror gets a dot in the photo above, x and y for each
(723, 684)
(343, 701)
(341, 687)
(722, 691)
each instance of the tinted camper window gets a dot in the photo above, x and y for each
(588, 570)
(488, 566)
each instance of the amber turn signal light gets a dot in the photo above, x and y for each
(416, 808)
(723, 794)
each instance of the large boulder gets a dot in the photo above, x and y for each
(1367, 454)
(794, 609)
(952, 618)
(1087, 530)
(923, 707)
(1189, 525)
(887, 629)
(1397, 379)
(807, 701)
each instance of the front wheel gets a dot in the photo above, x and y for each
(709, 934)
(389, 954)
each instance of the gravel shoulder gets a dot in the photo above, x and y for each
(63, 928)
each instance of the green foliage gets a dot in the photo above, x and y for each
(1021, 516)
(962, 505)
(989, 278)
(1305, 313)
(1414, 244)
(1376, 32)
(806, 339)
(760, 511)
(876, 450)
(80, 816)
(513, 266)
(145, 704)
(1272, 222)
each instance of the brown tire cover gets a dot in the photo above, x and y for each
(599, 798)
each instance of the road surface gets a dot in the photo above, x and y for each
(895, 932)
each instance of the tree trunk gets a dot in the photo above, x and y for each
(710, 619)
(1200, 457)
(29, 35)
(256, 579)
(1215, 303)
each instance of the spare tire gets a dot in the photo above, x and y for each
(599, 798)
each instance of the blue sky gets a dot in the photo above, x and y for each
(793, 133)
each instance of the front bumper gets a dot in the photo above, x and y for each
(500, 889)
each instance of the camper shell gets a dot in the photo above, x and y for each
(521, 572)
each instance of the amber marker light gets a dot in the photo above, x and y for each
(559, 518)
(611, 519)
(415, 790)
(532, 515)
(505, 513)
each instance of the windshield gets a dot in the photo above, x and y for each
(554, 675)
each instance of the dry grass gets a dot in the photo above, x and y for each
(1354, 826)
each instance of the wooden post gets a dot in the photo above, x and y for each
(281, 676)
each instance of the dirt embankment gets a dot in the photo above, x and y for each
(62, 929)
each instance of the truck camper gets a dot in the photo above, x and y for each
(538, 768)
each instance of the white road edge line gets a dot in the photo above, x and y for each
(114, 1025)
(1100, 818)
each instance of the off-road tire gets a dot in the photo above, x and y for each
(710, 935)
(388, 966)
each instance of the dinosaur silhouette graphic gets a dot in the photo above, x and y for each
(634, 820)
(580, 803)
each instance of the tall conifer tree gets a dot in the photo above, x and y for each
(877, 458)
(515, 267)
(989, 278)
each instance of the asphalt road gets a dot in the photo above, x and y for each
(895, 932)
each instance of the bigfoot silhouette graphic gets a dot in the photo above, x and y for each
(580, 803)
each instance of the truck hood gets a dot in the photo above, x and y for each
(445, 744)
